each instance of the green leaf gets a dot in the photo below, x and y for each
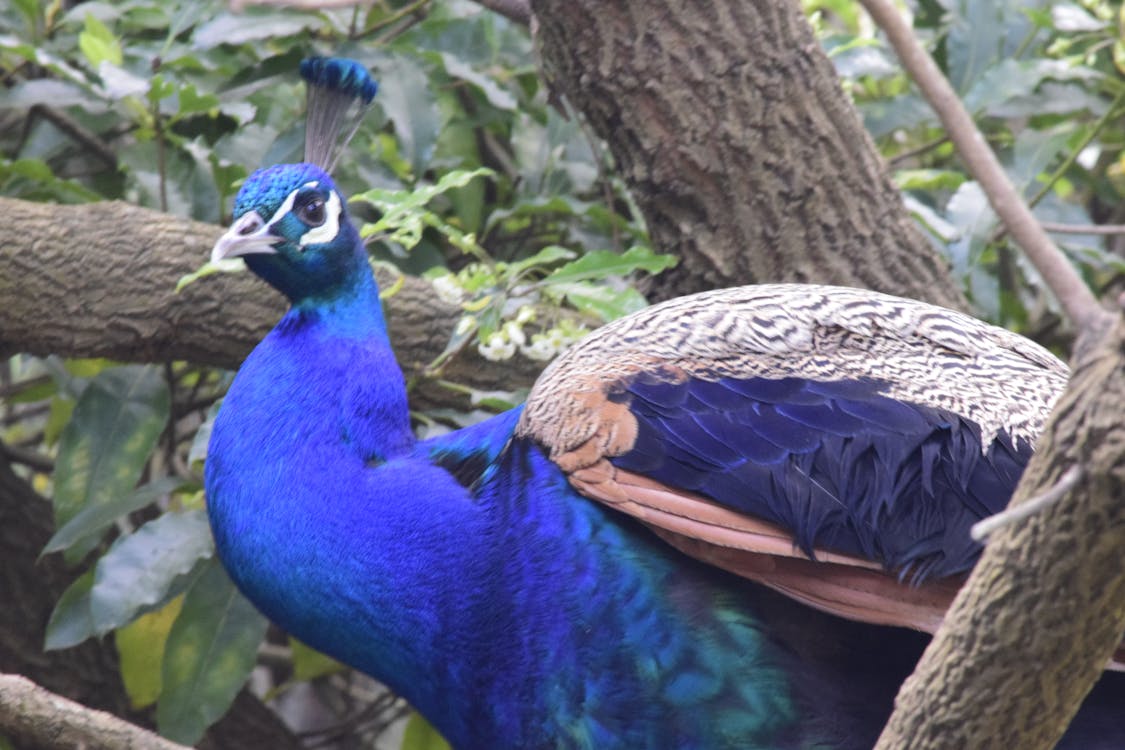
(929, 179)
(405, 216)
(308, 663)
(1072, 17)
(26, 94)
(601, 263)
(405, 96)
(120, 83)
(140, 648)
(420, 735)
(94, 519)
(191, 100)
(98, 43)
(202, 438)
(209, 655)
(1012, 79)
(226, 265)
(545, 257)
(608, 304)
(104, 447)
(58, 418)
(71, 621)
(250, 25)
(496, 96)
(139, 569)
(36, 171)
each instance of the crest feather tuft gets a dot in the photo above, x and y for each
(339, 93)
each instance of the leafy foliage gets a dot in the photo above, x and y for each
(1044, 81)
(463, 173)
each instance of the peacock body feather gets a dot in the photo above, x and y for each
(505, 578)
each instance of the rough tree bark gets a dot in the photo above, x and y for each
(31, 715)
(1030, 631)
(739, 146)
(98, 280)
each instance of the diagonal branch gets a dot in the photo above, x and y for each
(1079, 303)
(1027, 636)
(36, 717)
(98, 280)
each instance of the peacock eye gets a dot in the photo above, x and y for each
(312, 212)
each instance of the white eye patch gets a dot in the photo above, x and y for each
(326, 232)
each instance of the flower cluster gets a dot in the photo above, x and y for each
(541, 346)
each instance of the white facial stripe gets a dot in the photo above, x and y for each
(285, 207)
(326, 232)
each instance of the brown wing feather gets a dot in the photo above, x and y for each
(928, 355)
(843, 585)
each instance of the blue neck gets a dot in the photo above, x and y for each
(353, 312)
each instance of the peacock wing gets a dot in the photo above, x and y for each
(835, 444)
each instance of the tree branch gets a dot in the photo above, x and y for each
(33, 716)
(1029, 633)
(98, 280)
(1079, 303)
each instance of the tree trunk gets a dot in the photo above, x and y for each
(1029, 633)
(733, 133)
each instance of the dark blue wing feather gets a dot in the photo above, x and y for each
(839, 464)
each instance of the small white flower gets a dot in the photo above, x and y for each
(448, 290)
(525, 315)
(497, 348)
(557, 338)
(514, 333)
(540, 349)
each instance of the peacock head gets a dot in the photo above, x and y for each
(290, 222)
(291, 226)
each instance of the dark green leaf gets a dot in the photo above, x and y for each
(104, 447)
(94, 519)
(209, 655)
(71, 621)
(545, 257)
(601, 263)
(140, 568)
(405, 96)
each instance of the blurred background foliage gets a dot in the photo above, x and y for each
(468, 172)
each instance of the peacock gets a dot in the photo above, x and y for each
(719, 522)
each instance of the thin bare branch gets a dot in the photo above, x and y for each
(1079, 303)
(35, 717)
(1098, 229)
(987, 526)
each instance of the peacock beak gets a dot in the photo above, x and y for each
(248, 235)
